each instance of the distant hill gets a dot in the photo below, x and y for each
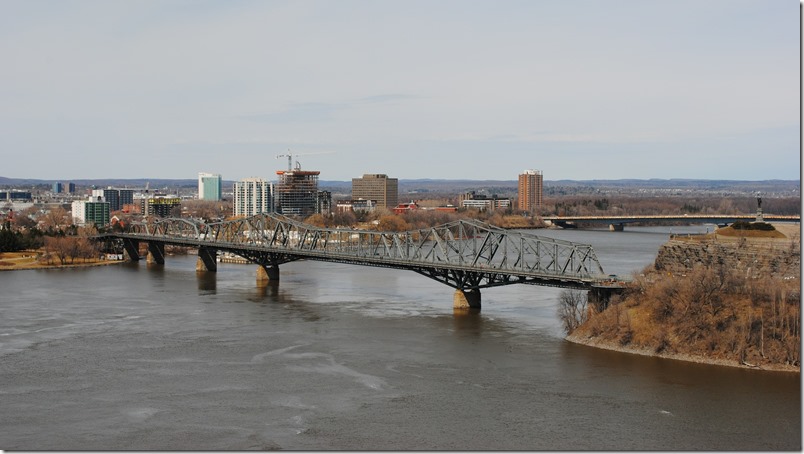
(116, 182)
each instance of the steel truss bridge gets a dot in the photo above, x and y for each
(467, 255)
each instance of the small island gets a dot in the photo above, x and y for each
(731, 297)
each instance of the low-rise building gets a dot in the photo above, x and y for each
(15, 196)
(360, 205)
(483, 202)
(403, 208)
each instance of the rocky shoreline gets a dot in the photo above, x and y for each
(609, 345)
(675, 312)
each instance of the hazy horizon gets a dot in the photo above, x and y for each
(513, 181)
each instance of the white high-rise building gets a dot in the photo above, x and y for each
(253, 196)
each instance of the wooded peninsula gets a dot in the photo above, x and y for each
(731, 297)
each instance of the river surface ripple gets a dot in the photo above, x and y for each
(343, 357)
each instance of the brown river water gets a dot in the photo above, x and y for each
(343, 357)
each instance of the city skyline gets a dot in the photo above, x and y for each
(448, 90)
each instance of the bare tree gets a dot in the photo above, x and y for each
(57, 246)
(392, 223)
(56, 219)
(23, 220)
(572, 309)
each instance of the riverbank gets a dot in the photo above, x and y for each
(711, 299)
(29, 260)
(645, 351)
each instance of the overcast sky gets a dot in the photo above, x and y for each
(597, 89)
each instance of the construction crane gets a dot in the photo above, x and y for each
(290, 158)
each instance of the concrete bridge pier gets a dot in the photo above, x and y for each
(466, 299)
(207, 259)
(267, 274)
(132, 248)
(617, 227)
(600, 297)
(156, 253)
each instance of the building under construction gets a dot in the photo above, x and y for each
(297, 192)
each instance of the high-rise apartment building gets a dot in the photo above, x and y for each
(530, 191)
(376, 186)
(209, 186)
(253, 196)
(91, 212)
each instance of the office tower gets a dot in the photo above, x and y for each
(126, 197)
(253, 196)
(116, 197)
(113, 197)
(58, 188)
(297, 192)
(209, 186)
(376, 186)
(530, 190)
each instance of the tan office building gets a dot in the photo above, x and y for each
(530, 190)
(376, 186)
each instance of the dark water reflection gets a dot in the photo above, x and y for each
(136, 356)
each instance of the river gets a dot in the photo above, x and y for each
(343, 357)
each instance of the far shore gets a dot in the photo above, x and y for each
(27, 260)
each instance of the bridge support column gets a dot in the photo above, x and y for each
(466, 299)
(267, 274)
(132, 248)
(156, 253)
(616, 227)
(600, 297)
(207, 259)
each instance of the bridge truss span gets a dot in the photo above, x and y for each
(466, 254)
